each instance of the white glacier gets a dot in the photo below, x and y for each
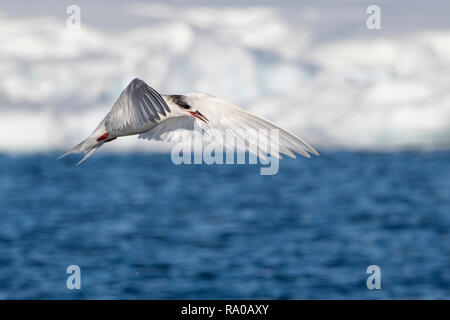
(374, 92)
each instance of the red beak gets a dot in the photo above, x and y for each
(199, 116)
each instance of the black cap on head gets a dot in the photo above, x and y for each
(181, 101)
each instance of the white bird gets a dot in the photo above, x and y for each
(141, 110)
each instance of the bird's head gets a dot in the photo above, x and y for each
(187, 105)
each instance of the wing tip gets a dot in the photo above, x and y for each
(308, 155)
(314, 152)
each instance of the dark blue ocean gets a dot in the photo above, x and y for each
(140, 227)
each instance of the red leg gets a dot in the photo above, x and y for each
(103, 137)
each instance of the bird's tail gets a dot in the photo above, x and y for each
(81, 147)
(88, 154)
(75, 149)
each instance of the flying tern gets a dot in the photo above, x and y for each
(140, 110)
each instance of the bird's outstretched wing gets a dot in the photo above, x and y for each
(251, 133)
(225, 116)
(137, 105)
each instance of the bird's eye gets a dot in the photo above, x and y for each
(180, 101)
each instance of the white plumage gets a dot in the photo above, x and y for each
(143, 111)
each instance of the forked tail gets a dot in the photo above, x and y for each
(82, 148)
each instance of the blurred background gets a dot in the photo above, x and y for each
(375, 103)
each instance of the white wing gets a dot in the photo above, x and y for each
(137, 109)
(251, 132)
(137, 106)
(172, 129)
(225, 116)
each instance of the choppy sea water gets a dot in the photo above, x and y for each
(140, 227)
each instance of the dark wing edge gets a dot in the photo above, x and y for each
(137, 105)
